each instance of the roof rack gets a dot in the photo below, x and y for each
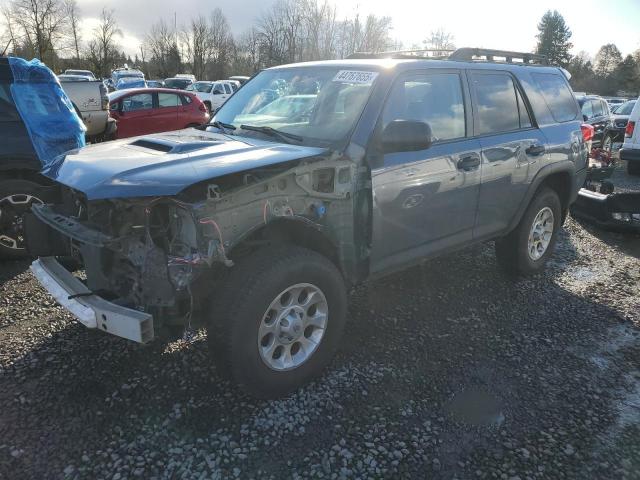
(430, 53)
(461, 54)
(488, 55)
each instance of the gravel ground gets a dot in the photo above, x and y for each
(448, 370)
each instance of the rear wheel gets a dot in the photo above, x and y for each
(278, 320)
(527, 249)
(16, 198)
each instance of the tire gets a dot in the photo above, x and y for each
(16, 198)
(241, 308)
(513, 251)
(633, 168)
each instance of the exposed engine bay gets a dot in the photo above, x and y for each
(164, 255)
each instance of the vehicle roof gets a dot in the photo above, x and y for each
(589, 97)
(128, 91)
(73, 77)
(178, 78)
(403, 64)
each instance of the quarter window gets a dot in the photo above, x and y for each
(432, 98)
(557, 96)
(496, 103)
(597, 108)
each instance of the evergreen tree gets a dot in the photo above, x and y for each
(627, 75)
(553, 39)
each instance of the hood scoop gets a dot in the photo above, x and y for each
(167, 146)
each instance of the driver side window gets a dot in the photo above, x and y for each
(434, 98)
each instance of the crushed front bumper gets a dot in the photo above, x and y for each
(90, 309)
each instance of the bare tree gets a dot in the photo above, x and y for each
(163, 49)
(41, 24)
(102, 49)
(73, 16)
(440, 40)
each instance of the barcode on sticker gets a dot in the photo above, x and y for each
(351, 76)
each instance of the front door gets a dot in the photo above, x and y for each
(425, 201)
(132, 115)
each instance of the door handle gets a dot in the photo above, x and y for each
(469, 162)
(535, 150)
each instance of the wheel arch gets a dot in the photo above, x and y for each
(298, 232)
(558, 177)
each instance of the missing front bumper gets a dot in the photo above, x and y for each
(90, 309)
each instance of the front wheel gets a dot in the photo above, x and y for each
(527, 249)
(16, 198)
(278, 319)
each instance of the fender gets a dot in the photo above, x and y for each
(545, 172)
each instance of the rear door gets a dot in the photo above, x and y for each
(511, 146)
(425, 201)
(135, 115)
(167, 112)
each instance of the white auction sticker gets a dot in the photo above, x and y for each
(351, 76)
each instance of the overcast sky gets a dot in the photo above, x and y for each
(483, 23)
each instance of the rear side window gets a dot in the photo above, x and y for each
(433, 98)
(598, 111)
(167, 100)
(496, 103)
(8, 110)
(557, 96)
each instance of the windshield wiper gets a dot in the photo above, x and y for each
(218, 124)
(272, 132)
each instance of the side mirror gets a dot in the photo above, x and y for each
(406, 136)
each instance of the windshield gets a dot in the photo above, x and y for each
(319, 104)
(130, 83)
(202, 87)
(177, 83)
(625, 108)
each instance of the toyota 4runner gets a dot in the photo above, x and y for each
(257, 226)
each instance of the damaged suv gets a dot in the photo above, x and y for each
(257, 226)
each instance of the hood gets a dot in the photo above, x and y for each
(166, 164)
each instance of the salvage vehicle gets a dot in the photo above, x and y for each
(258, 230)
(37, 122)
(614, 134)
(151, 110)
(90, 100)
(596, 112)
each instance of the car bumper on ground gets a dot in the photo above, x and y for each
(630, 154)
(90, 309)
(616, 211)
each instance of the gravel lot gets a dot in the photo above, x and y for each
(449, 370)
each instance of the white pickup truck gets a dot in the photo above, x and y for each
(92, 105)
(212, 94)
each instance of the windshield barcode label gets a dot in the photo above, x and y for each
(350, 76)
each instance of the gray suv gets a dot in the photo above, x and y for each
(313, 177)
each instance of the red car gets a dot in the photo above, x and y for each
(140, 111)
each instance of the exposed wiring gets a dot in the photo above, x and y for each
(211, 221)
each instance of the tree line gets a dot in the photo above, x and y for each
(608, 73)
(289, 31)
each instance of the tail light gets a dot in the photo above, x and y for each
(628, 132)
(587, 132)
(104, 97)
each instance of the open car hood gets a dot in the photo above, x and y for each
(165, 164)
